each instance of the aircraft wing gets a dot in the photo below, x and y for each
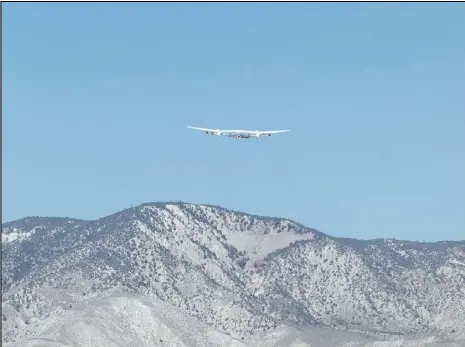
(218, 132)
(273, 132)
(202, 129)
(258, 133)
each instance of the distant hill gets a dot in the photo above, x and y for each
(203, 275)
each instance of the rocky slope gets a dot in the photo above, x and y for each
(241, 276)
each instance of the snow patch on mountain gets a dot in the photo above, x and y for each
(18, 235)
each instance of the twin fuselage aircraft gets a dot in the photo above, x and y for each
(239, 134)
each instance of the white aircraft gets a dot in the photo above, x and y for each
(239, 134)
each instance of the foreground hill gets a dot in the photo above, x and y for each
(233, 277)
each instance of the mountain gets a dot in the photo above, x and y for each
(204, 275)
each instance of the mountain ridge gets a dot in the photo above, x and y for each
(238, 273)
(164, 203)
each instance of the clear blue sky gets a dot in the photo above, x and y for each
(97, 97)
